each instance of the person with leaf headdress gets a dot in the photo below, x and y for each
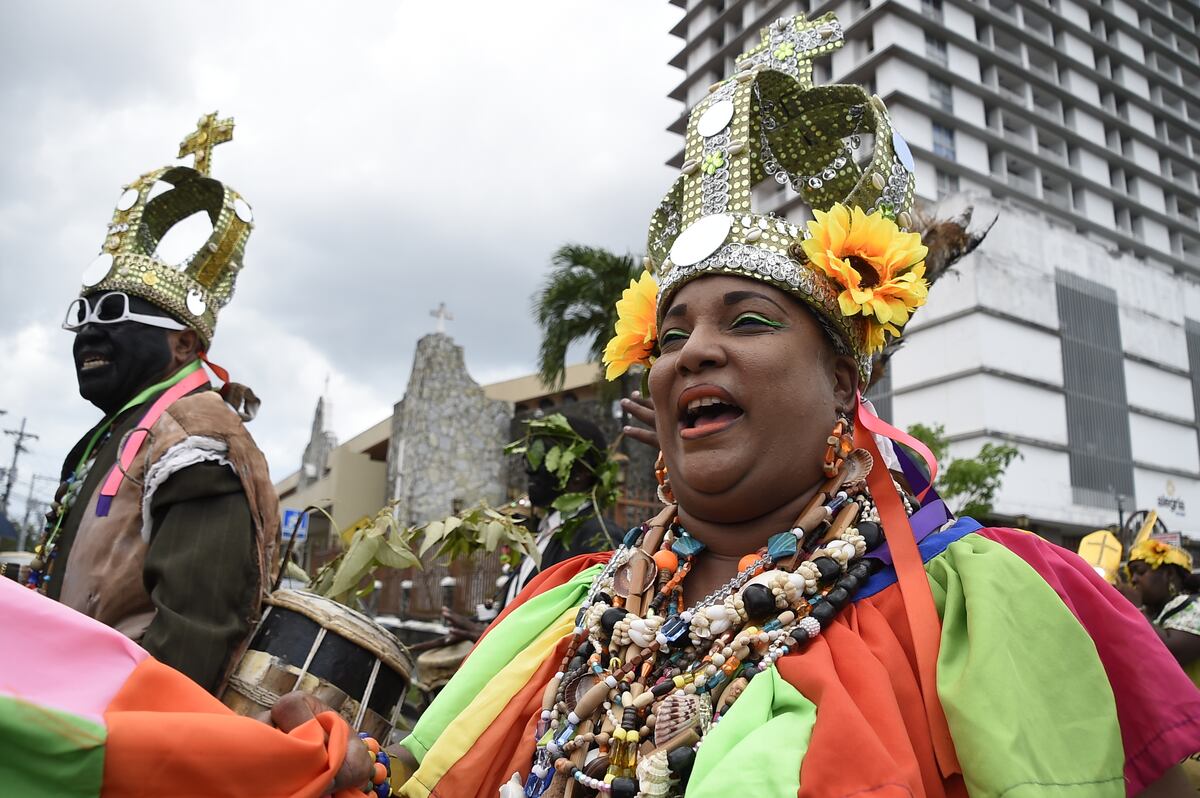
(572, 481)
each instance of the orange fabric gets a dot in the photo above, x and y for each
(510, 736)
(862, 675)
(507, 745)
(920, 610)
(167, 736)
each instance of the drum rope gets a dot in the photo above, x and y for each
(259, 695)
(362, 706)
(312, 652)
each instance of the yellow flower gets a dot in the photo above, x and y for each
(1155, 553)
(636, 329)
(880, 269)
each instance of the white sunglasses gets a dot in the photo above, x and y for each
(112, 308)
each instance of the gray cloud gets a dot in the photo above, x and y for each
(396, 154)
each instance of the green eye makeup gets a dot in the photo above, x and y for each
(757, 319)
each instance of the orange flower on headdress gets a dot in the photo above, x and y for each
(1156, 553)
(880, 269)
(636, 329)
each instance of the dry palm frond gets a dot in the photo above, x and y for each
(948, 241)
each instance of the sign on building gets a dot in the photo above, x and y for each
(290, 517)
(1170, 538)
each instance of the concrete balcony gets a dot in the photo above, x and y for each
(1022, 184)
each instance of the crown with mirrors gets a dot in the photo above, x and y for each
(830, 144)
(195, 289)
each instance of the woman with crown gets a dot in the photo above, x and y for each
(803, 617)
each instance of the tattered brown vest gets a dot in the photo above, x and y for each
(103, 577)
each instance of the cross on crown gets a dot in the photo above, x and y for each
(790, 44)
(209, 132)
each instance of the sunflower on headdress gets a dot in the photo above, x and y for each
(880, 269)
(636, 328)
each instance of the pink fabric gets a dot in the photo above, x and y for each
(60, 658)
(1158, 707)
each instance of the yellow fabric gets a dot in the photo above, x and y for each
(464, 730)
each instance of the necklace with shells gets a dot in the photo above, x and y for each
(644, 679)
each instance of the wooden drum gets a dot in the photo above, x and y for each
(310, 643)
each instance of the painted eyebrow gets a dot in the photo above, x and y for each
(734, 297)
(676, 310)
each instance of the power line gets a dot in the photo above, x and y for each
(18, 449)
(29, 505)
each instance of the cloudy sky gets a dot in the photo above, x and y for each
(397, 155)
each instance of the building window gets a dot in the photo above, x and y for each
(941, 93)
(935, 48)
(947, 184)
(1099, 451)
(943, 141)
(932, 9)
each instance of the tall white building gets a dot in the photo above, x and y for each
(1074, 332)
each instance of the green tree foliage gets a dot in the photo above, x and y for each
(577, 302)
(967, 484)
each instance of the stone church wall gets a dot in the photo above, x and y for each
(447, 437)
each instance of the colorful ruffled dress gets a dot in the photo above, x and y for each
(84, 712)
(1051, 684)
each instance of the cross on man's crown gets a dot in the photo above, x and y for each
(209, 132)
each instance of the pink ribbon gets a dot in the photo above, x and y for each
(133, 444)
(878, 426)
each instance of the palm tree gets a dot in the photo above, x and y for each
(577, 302)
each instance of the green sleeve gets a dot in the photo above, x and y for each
(201, 571)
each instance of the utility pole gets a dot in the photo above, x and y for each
(25, 525)
(18, 449)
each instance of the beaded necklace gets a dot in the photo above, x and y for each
(47, 550)
(644, 679)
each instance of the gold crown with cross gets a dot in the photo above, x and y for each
(769, 124)
(195, 289)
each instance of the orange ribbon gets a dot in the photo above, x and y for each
(919, 607)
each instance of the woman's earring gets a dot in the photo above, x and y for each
(840, 444)
(664, 481)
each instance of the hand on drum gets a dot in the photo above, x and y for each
(640, 408)
(295, 709)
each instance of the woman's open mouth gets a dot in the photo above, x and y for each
(706, 410)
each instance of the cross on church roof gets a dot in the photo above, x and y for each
(442, 315)
(209, 132)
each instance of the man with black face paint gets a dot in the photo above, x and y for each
(166, 524)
